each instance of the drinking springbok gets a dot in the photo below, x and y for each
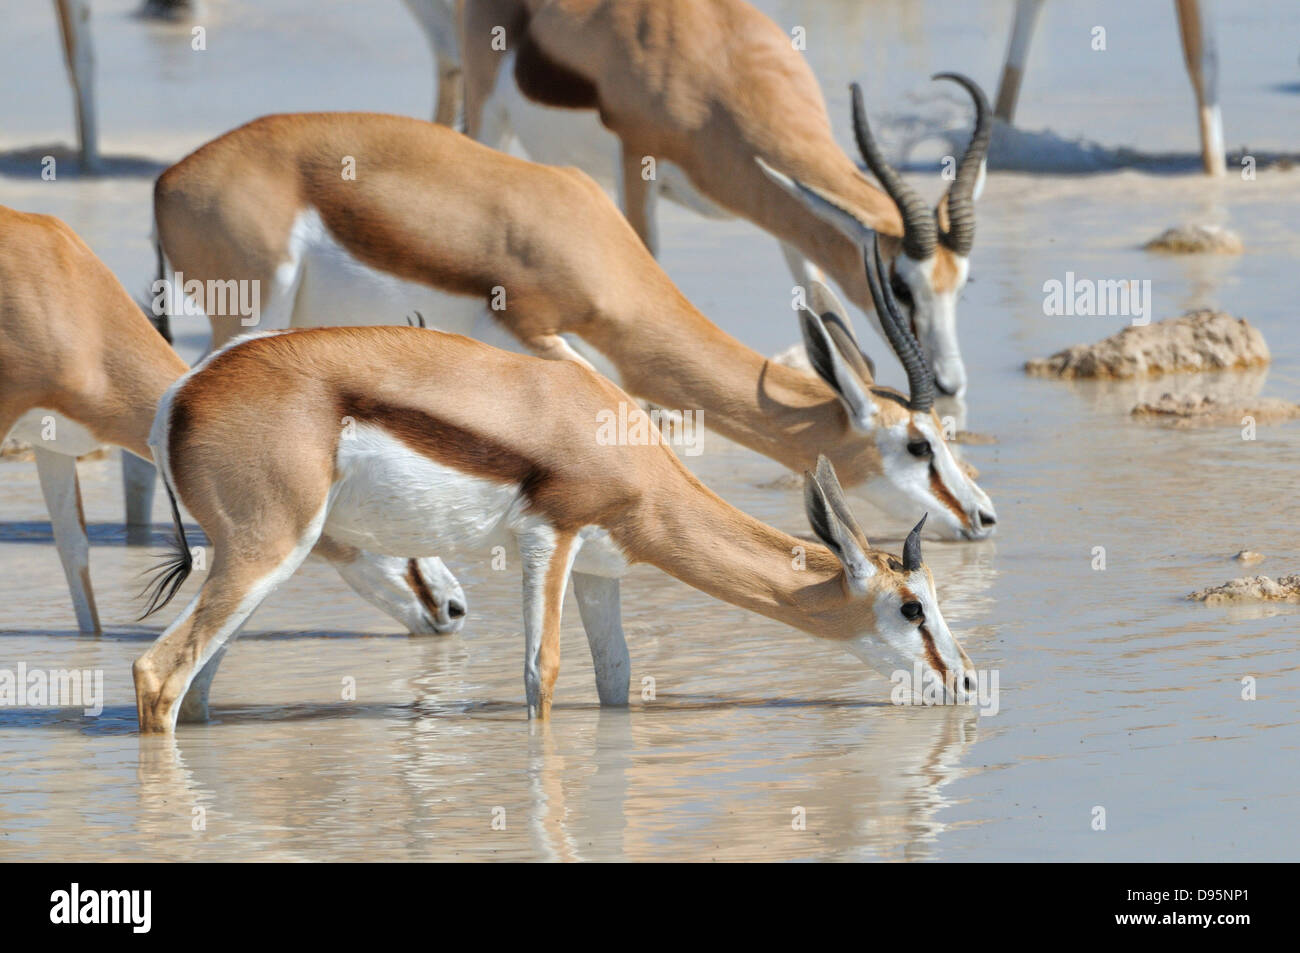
(704, 88)
(413, 441)
(81, 366)
(355, 219)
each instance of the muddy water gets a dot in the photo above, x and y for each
(1115, 692)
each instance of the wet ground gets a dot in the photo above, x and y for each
(1115, 691)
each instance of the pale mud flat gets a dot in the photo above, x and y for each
(1115, 690)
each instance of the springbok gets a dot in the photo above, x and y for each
(704, 88)
(358, 219)
(413, 441)
(81, 366)
(438, 20)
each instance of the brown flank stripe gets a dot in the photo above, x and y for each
(549, 83)
(447, 443)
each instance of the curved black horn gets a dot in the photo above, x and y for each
(920, 233)
(960, 235)
(920, 382)
(912, 547)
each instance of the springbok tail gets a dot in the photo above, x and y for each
(175, 566)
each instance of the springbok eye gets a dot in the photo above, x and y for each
(919, 448)
(913, 611)
(901, 291)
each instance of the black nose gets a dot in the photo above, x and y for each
(970, 682)
(988, 519)
(455, 610)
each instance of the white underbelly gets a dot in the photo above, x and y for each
(337, 289)
(50, 430)
(551, 135)
(389, 498)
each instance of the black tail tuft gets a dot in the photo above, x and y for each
(174, 568)
(160, 320)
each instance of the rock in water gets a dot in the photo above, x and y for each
(1196, 239)
(1248, 556)
(1204, 340)
(1183, 413)
(1251, 589)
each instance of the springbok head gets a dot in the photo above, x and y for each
(886, 611)
(918, 471)
(422, 594)
(931, 265)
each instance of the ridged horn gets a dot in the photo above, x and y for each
(912, 547)
(920, 232)
(920, 381)
(960, 236)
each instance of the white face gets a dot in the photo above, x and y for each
(911, 632)
(934, 316)
(922, 476)
(431, 602)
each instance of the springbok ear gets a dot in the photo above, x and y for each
(825, 206)
(824, 301)
(831, 530)
(831, 365)
(835, 317)
(830, 484)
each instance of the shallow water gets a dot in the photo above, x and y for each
(1115, 691)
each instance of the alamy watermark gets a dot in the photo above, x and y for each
(133, 908)
(925, 687)
(633, 427)
(240, 298)
(1089, 297)
(55, 688)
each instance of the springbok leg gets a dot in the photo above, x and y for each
(547, 558)
(1196, 23)
(602, 618)
(174, 676)
(1013, 70)
(62, 492)
(79, 51)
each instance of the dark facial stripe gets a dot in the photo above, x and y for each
(947, 499)
(932, 654)
(936, 482)
(420, 587)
